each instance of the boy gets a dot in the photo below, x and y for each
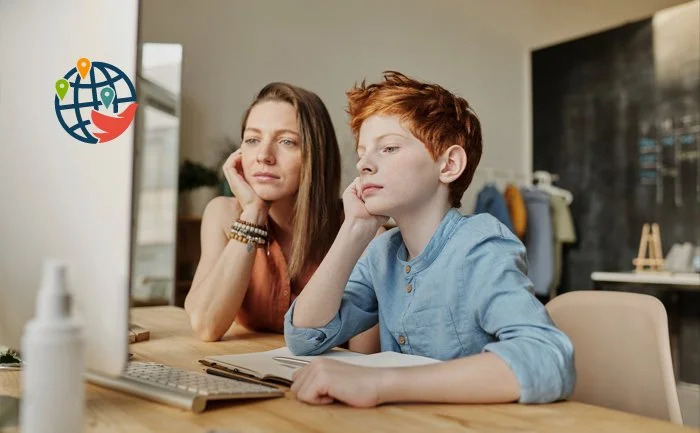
(440, 284)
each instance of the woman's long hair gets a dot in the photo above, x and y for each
(318, 210)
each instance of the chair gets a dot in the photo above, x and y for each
(622, 351)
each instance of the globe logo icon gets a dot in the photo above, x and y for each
(95, 101)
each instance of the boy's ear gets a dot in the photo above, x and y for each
(453, 162)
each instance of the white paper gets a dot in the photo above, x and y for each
(264, 365)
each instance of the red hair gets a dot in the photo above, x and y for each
(435, 116)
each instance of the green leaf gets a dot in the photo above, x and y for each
(194, 175)
(9, 357)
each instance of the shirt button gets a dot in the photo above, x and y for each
(409, 288)
(407, 269)
(402, 339)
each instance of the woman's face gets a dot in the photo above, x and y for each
(271, 150)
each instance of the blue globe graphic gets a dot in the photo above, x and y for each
(73, 112)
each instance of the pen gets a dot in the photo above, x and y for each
(290, 362)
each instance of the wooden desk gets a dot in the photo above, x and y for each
(172, 343)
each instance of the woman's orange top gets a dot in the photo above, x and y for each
(270, 293)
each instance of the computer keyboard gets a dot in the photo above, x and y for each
(189, 390)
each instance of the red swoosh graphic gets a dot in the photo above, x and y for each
(113, 126)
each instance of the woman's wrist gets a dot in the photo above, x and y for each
(255, 215)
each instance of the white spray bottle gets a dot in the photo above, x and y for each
(53, 394)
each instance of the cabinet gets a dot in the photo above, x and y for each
(188, 251)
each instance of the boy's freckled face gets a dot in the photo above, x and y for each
(396, 170)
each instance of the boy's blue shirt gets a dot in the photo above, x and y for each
(466, 293)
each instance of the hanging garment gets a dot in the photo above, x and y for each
(490, 200)
(564, 233)
(539, 239)
(516, 210)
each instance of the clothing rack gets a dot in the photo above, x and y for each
(543, 181)
(491, 174)
(537, 213)
(544, 177)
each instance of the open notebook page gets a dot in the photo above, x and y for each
(263, 364)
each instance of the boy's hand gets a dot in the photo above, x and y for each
(326, 380)
(355, 209)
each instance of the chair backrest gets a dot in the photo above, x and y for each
(621, 350)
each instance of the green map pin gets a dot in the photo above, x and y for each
(62, 87)
(107, 95)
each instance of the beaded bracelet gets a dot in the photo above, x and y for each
(246, 223)
(248, 229)
(251, 241)
(256, 239)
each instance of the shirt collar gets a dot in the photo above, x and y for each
(435, 245)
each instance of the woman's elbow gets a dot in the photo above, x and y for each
(207, 333)
(205, 330)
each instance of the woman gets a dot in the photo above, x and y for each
(261, 247)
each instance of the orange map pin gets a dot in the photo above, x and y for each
(83, 66)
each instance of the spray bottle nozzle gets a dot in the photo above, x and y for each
(53, 299)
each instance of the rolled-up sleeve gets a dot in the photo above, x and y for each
(539, 354)
(357, 313)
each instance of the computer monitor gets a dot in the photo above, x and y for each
(60, 197)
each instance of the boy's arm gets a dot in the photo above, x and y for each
(531, 360)
(355, 305)
(319, 302)
(482, 378)
(335, 305)
(540, 355)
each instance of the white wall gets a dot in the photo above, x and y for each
(480, 50)
(60, 197)
(676, 44)
(233, 48)
(554, 21)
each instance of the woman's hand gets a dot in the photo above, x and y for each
(355, 209)
(250, 202)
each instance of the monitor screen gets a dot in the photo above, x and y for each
(66, 172)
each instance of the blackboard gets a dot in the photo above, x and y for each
(623, 141)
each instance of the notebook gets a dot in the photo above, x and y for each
(277, 366)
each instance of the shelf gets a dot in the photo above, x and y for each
(189, 219)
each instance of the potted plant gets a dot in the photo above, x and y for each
(197, 185)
